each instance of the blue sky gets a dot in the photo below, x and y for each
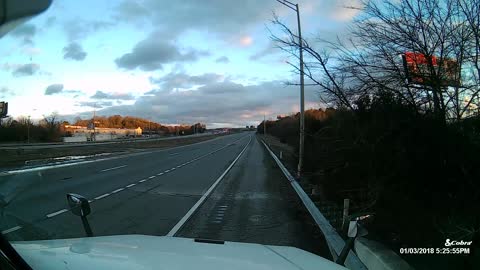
(169, 61)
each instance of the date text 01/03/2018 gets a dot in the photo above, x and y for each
(455, 250)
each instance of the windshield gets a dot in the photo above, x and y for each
(128, 125)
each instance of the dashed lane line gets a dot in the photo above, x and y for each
(114, 168)
(11, 229)
(102, 196)
(56, 213)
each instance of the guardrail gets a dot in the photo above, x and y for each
(334, 241)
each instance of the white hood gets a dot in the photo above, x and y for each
(155, 252)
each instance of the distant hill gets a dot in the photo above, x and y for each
(130, 122)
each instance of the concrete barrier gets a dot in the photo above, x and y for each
(376, 256)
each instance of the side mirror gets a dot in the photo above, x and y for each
(355, 229)
(80, 206)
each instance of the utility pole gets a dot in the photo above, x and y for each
(28, 129)
(94, 134)
(295, 8)
(264, 126)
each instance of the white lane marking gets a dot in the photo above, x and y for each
(102, 196)
(11, 229)
(166, 171)
(143, 180)
(90, 201)
(160, 173)
(173, 169)
(174, 154)
(151, 177)
(194, 208)
(131, 185)
(117, 190)
(179, 166)
(56, 213)
(114, 168)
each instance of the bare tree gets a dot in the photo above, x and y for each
(316, 66)
(433, 28)
(50, 121)
(445, 32)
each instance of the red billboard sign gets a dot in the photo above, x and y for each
(417, 67)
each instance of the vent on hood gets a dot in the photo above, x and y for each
(209, 241)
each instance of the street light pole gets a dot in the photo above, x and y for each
(295, 8)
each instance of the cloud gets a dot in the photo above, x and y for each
(131, 11)
(32, 51)
(53, 89)
(222, 59)
(152, 52)
(50, 21)
(103, 95)
(26, 70)
(26, 30)
(7, 66)
(246, 41)
(217, 102)
(268, 50)
(4, 92)
(182, 80)
(225, 17)
(94, 104)
(74, 51)
(78, 29)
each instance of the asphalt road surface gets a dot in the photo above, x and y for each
(227, 188)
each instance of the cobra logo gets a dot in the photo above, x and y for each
(449, 243)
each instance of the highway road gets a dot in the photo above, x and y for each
(226, 188)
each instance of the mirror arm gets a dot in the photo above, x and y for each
(343, 255)
(86, 226)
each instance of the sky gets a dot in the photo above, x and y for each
(182, 61)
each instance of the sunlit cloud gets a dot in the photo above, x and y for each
(246, 41)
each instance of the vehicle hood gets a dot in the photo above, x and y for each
(162, 252)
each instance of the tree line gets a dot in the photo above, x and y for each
(130, 122)
(23, 129)
(52, 129)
